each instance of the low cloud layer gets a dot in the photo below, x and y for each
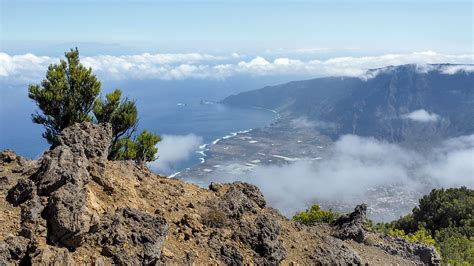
(354, 166)
(421, 115)
(27, 68)
(174, 149)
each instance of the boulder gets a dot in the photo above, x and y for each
(240, 198)
(68, 218)
(21, 192)
(132, 237)
(262, 235)
(350, 226)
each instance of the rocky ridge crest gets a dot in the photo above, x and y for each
(74, 206)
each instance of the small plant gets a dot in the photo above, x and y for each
(315, 215)
(214, 218)
(420, 236)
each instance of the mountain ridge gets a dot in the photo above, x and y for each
(377, 106)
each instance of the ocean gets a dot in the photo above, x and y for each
(160, 113)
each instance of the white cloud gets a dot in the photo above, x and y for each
(304, 122)
(354, 166)
(174, 149)
(421, 115)
(456, 69)
(30, 68)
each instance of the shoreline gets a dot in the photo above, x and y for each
(206, 146)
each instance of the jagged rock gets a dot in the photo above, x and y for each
(8, 156)
(31, 210)
(67, 215)
(17, 246)
(230, 255)
(21, 192)
(59, 167)
(12, 249)
(262, 235)
(52, 256)
(240, 198)
(134, 237)
(5, 256)
(87, 139)
(252, 192)
(335, 252)
(4, 182)
(405, 249)
(80, 152)
(349, 226)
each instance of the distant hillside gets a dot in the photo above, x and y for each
(380, 105)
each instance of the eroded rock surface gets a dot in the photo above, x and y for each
(350, 226)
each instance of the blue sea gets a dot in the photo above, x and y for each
(162, 111)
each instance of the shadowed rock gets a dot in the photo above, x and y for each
(262, 235)
(21, 192)
(349, 226)
(133, 237)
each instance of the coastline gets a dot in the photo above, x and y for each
(206, 146)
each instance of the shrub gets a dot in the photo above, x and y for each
(66, 96)
(315, 215)
(455, 247)
(214, 218)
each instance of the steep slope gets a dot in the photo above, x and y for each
(74, 206)
(377, 106)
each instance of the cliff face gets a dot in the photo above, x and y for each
(74, 206)
(376, 107)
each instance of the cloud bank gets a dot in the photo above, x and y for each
(421, 115)
(174, 149)
(31, 68)
(355, 166)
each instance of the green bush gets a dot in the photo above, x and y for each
(66, 96)
(447, 217)
(420, 236)
(455, 247)
(315, 215)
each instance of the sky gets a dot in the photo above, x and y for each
(344, 27)
(173, 40)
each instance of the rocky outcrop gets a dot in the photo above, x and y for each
(72, 206)
(350, 226)
(55, 197)
(262, 235)
(133, 237)
(403, 248)
(21, 192)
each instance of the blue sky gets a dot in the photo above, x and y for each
(337, 27)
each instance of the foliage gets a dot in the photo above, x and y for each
(455, 247)
(420, 236)
(123, 116)
(315, 215)
(442, 208)
(69, 95)
(124, 149)
(145, 145)
(66, 96)
(448, 216)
